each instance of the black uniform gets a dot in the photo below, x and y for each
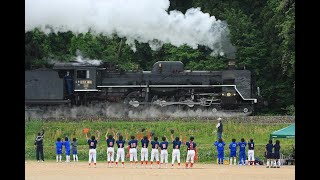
(269, 148)
(276, 151)
(39, 146)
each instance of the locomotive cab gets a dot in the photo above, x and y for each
(80, 79)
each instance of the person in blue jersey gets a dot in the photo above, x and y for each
(251, 152)
(155, 145)
(144, 147)
(191, 152)
(242, 151)
(67, 148)
(38, 142)
(92, 142)
(110, 147)
(220, 149)
(176, 143)
(132, 150)
(269, 154)
(59, 145)
(233, 151)
(74, 145)
(120, 151)
(276, 154)
(164, 151)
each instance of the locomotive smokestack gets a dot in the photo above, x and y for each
(232, 64)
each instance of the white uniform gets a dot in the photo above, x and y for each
(164, 156)
(144, 154)
(154, 154)
(110, 153)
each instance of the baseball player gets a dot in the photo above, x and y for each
(191, 152)
(242, 151)
(66, 144)
(120, 150)
(220, 148)
(110, 150)
(233, 151)
(92, 142)
(155, 151)
(132, 149)
(74, 145)
(251, 152)
(59, 149)
(176, 150)
(269, 154)
(164, 151)
(144, 147)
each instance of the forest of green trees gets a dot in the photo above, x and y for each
(263, 32)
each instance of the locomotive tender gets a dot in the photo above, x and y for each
(168, 84)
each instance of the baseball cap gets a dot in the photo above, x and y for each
(219, 118)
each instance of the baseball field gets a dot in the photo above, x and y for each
(80, 171)
(203, 131)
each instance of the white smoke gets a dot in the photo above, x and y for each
(118, 111)
(81, 59)
(145, 21)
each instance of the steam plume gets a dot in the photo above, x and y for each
(145, 21)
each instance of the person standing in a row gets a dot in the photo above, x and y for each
(92, 142)
(269, 154)
(276, 154)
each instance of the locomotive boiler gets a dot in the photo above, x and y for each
(168, 84)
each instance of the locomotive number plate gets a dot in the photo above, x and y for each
(85, 82)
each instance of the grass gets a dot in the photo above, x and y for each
(203, 131)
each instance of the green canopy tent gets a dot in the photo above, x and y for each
(287, 132)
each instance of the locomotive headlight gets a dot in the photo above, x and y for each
(234, 94)
(222, 94)
(228, 94)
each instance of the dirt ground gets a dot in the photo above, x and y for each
(81, 171)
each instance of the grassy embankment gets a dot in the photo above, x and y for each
(203, 131)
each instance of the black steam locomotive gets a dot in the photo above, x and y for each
(168, 84)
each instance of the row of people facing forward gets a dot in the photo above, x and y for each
(132, 144)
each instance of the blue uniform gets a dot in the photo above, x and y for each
(233, 149)
(133, 143)
(110, 142)
(120, 143)
(154, 144)
(92, 144)
(67, 147)
(144, 143)
(59, 147)
(176, 144)
(242, 151)
(220, 149)
(191, 146)
(251, 145)
(164, 145)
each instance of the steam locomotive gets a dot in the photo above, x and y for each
(168, 84)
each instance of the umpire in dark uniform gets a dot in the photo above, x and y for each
(38, 142)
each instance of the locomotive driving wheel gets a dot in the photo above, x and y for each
(133, 98)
